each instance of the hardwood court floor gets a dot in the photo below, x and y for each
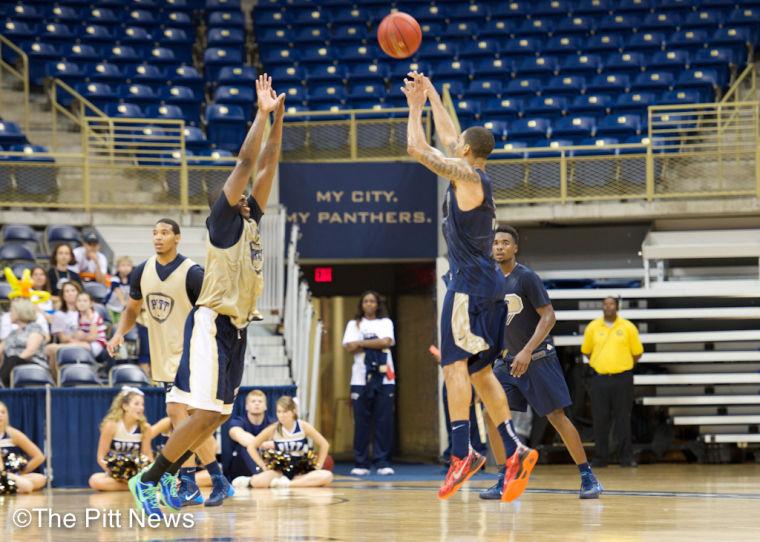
(659, 502)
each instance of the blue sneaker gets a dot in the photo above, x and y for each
(493, 493)
(590, 487)
(145, 495)
(221, 490)
(168, 494)
(188, 492)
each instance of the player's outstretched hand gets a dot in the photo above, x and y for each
(414, 92)
(279, 111)
(264, 93)
(113, 345)
(520, 363)
(424, 80)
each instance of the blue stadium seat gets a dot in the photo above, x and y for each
(456, 87)
(212, 6)
(332, 94)
(102, 16)
(195, 140)
(78, 376)
(95, 34)
(164, 111)
(593, 7)
(187, 76)
(715, 57)
(662, 21)
(56, 33)
(369, 72)
(556, 9)
(69, 355)
(180, 5)
(497, 28)
(19, 233)
(285, 74)
(62, 233)
(645, 41)
(355, 15)
(467, 110)
(604, 43)
(359, 53)
(68, 72)
(673, 61)
(498, 129)
(437, 50)
(141, 95)
(523, 86)
(574, 127)
(635, 102)
(609, 83)
(123, 56)
(539, 66)
(311, 36)
(11, 134)
(732, 36)
(81, 53)
(482, 48)
(65, 14)
(30, 375)
(565, 45)
(224, 124)
(181, 44)
(27, 13)
(185, 99)
(103, 72)
(619, 22)
(704, 18)
(584, 64)
(681, 96)
(138, 38)
(366, 91)
(139, 17)
(279, 55)
(535, 27)
(225, 19)
(577, 24)
(127, 375)
(566, 84)
(690, 39)
(546, 106)
(510, 9)
(147, 74)
(18, 31)
(125, 110)
(215, 58)
(400, 69)
(241, 96)
(461, 30)
(529, 130)
(39, 55)
(100, 94)
(626, 125)
(458, 70)
(657, 81)
(326, 73)
(505, 108)
(745, 16)
(15, 252)
(473, 12)
(178, 19)
(630, 63)
(590, 104)
(349, 33)
(522, 46)
(269, 37)
(162, 56)
(424, 12)
(487, 88)
(237, 76)
(494, 67)
(702, 79)
(311, 17)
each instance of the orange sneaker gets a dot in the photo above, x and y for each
(460, 471)
(519, 467)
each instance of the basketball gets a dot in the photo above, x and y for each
(399, 35)
(329, 463)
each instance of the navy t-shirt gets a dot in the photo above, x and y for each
(245, 424)
(525, 292)
(225, 223)
(193, 283)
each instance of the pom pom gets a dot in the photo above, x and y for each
(7, 486)
(290, 465)
(14, 462)
(123, 466)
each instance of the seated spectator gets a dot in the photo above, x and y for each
(25, 343)
(92, 328)
(91, 264)
(65, 322)
(117, 297)
(124, 445)
(243, 431)
(13, 441)
(41, 283)
(6, 325)
(59, 272)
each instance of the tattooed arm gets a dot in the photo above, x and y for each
(447, 133)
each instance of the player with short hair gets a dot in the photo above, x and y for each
(167, 285)
(474, 312)
(211, 367)
(530, 372)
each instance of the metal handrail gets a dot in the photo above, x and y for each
(750, 72)
(22, 75)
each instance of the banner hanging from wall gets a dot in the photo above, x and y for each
(375, 210)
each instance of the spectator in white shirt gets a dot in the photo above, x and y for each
(91, 264)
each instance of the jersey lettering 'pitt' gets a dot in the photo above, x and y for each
(159, 306)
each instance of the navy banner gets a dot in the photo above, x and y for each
(362, 210)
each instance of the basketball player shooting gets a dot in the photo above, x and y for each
(474, 311)
(211, 366)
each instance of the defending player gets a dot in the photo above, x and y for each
(531, 374)
(474, 312)
(168, 285)
(211, 367)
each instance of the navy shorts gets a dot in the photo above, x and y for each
(211, 367)
(472, 328)
(543, 385)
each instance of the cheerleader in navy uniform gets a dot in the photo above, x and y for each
(19, 457)
(292, 463)
(124, 445)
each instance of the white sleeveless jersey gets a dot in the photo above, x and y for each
(294, 443)
(126, 441)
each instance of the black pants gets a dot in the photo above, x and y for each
(9, 362)
(612, 401)
(374, 413)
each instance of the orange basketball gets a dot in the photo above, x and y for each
(399, 35)
(329, 463)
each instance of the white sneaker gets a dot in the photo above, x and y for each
(385, 471)
(241, 482)
(282, 481)
(358, 471)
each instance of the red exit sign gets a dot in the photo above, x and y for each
(323, 274)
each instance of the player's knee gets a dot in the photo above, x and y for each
(556, 417)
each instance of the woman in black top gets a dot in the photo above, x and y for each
(59, 272)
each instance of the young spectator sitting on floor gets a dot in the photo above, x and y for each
(26, 343)
(243, 431)
(119, 293)
(91, 264)
(59, 272)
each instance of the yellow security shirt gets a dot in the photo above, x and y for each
(611, 349)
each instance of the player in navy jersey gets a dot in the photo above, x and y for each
(474, 311)
(531, 373)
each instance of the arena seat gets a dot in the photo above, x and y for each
(311, 36)
(30, 375)
(583, 64)
(73, 354)
(15, 252)
(574, 127)
(188, 77)
(224, 124)
(566, 84)
(11, 134)
(39, 55)
(594, 104)
(78, 376)
(528, 130)
(523, 86)
(97, 290)
(127, 375)
(635, 102)
(546, 106)
(137, 38)
(240, 96)
(20, 233)
(179, 43)
(61, 233)
(506, 108)
(185, 99)
(68, 72)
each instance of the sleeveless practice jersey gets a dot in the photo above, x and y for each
(166, 305)
(234, 278)
(125, 441)
(294, 443)
(469, 238)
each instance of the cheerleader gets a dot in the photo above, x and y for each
(124, 445)
(18, 459)
(292, 463)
